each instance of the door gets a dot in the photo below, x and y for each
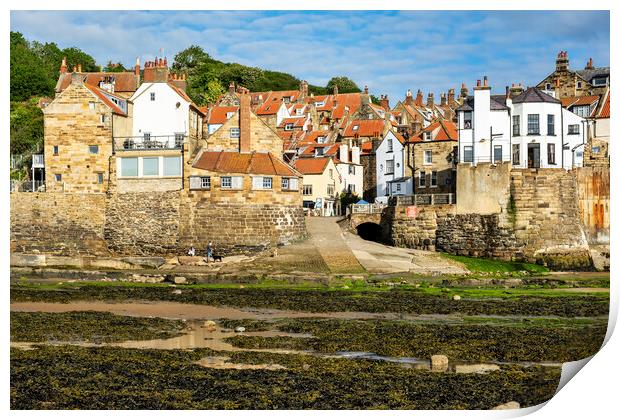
(533, 155)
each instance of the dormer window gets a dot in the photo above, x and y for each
(356, 127)
(286, 99)
(319, 151)
(320, 139)
(599, 81)
(229, 114)
(319, 104)
(288, 126)
(426, 136)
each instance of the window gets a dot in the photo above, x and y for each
(356, 127)
(307, 190)
(91, 105)
(468, 153)
(199, 182)
(516, 154)
(58, 177)
(579, 85)
(330, 189)
(152, 96)
(320, 139)
(331, 173)
(582, 110)
(56, 150)
(533, 126)
(178, 139)
(288, 126)
(103, 118)
(596, 149)
(172, 165)
(551, 154)
(390, 146)
(398, 187)
(548, 86)
(389, 166)
(263, 182)
(599, 81)
(99, 177)
(433, 178)
(229, 114)
(289, 184)
(147, 136)
(351, 188)
(551, 125)
(351, 169)
(234, 133)
(428, 157)
(497, 153)
(422, 179)
(516, 125)
(467, 120)
(226, 182)
(319, 151)
(93, 149)
(150, 166)
(129, 166)
(573, 129)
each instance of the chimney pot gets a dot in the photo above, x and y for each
(366, 90)
(486, 82)
(478, 83)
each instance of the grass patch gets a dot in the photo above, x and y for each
(483, 265)
(89, 326)
(517, 342)
(71, 377)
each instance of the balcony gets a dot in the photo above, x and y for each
(171, 142)
(38, 161)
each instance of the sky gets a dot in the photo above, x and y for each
(389, 51)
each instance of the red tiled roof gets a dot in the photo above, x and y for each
(352, 100)
(366, 128)
(311, 166)
(440, 131)
(296, 121)
(328, 149)
(366, 148)
(274, 100)
(254, 163)
(218, 114)
(102, 95)
(311, 136)
(605, 109)
(124, 81)
(579, 100)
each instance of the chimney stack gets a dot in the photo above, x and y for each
(516, 90)
(137, 67)
(63, 65)
(561, 62)
(366, 90)
(335, 90)
(430, 100)
(444, 100)
(303, 89)
(156, 71)
(244, 123)
(590, 65)
(464, 91)
(418, 98)
(450, 96)
(409, 97)
(385, 102)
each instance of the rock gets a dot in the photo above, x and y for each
(146, 262)
(180, 280)
(186, 260)
(511, 405)
(439, 363)
(477, 368)
(456, 297)
(110, 263)
(27, 260)
(239, 329)
(173, 261)
(146, 278)
(177, 292)
(209, 325)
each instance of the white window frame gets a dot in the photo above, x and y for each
(288, 126)
(390, 146)
(389, 163)
(234, 132)
(226, 182)
(428, 157)
(307, 189)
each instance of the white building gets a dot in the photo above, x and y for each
(391, 173)
(529, 129)
(350, 169)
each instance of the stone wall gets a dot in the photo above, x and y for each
(156, 224)
(441, 162)
(58, 224)
(594, 201)
(143, 223)
(482, 189)
(416, 230)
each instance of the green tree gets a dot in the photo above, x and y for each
(345, 85)
(190, 58)
(114, 67)
(28, 76)
(26, 127)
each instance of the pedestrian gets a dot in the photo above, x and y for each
(192, 251)
(209, 251)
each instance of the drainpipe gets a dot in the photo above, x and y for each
(562, 133)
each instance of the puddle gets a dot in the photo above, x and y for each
(221, 362)
(174, 310)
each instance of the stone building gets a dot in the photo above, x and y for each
(566, 82)
(122, 84)
(433, 153)
(80, 124)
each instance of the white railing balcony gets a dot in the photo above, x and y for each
(170, 142)
(38, 161)
(423, 199)
(367, 208)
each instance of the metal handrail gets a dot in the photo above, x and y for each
(169, 142)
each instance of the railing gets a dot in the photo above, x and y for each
(422, 199)
(38, 161)
(149, 143)
(27, 186)
(367, 208)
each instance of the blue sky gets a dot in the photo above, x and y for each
(390, 51)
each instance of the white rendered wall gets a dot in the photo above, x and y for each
(383, 156)
(160, 117)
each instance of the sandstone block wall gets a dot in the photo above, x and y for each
(416, 232)
(58, 224)
(594, 200)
